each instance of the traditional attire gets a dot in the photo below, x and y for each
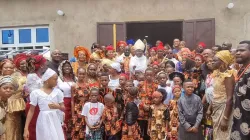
(78, 124)
(190, 110)
(174, 120)
(75, 65)
(241, 112)
(15, 111)
(48, 125)
(158, 122)
(140, 63)
(114, 83)
(220, 97)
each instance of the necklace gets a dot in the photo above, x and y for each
(238, 77)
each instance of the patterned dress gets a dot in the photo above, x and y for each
(78, 123)
(241, 112)
(174, 120)
(158, 122)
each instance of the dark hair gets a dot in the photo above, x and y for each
(130, 81)
(188, 80)
(164, 93)
(133, 91)
(170, 63)
(104, 74)
(219, 47)
(149, 69)
(71, 71)
(189, 65)
(246, 42)
(168, 46)
(81, 68)
(94, 89)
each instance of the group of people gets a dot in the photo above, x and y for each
(135, 91)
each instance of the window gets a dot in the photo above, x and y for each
(24, 37)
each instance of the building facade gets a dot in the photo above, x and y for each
(79, 24)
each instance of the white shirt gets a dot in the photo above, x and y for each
(139, 62)
(113, 83)
(65, 87)
(93, 112)
(175, 62)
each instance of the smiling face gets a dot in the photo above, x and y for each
(67, 69)
(81, 56)
(23, 65)
(189, 88)
(81, 73)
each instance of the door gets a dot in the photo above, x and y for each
(110, 32)
(199, 30)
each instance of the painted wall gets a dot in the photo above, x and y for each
(78, 26)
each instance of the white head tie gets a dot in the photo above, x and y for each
(48, 73)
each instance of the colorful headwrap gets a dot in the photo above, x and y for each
(160, 44)
(176, 87)
(39, 61)
(153, 48)
(155, 63)
(18, 58)
(199, 55)
(116, 66)
(8, 79)
(48, 74)
(157, 94)
(81, 49)
(107, 62)
(185, 50)
(124, 75)
(202, 44)
(109, 48)
(160, 47)
(121, 43)
(130, 41)
(225, 56)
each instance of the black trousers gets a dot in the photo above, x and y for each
(144, 129)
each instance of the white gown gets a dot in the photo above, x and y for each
(48, 126)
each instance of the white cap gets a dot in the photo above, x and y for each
(139, 45)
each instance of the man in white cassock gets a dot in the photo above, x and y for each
(139, 61)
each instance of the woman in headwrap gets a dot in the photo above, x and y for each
(36, 66)
(223, 94)
(50, 102)
(65, 81)
(21, 64)
(120, 51)
(16, 104)
(82, 54)
(152, 53)
(8, 86)
(115, 69)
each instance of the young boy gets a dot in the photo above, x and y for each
(146, 88)
(131, 129)
(104, 89)
(162, 79)
(111, 118)
(92, 112)
(190, 110)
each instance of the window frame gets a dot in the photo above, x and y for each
(16, 37)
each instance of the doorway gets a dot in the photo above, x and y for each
(166, 31)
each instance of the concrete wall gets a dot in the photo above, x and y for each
(78, 26)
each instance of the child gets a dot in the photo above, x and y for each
(162, 78)
(111, 118)
(178, 79)
(92, 112)
(190, 110)
(159, 117)
(173, 108)
(136, 77)
(50, 101)
(131, 129)
(104, 89)
(146, 88)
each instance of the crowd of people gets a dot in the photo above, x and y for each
(135, 91)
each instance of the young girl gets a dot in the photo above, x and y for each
(159, 117)
(111, 118)
(92, 112)
(173, 108)
(178, 79)
(49, 100)
(131, 129)
(162, 78)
